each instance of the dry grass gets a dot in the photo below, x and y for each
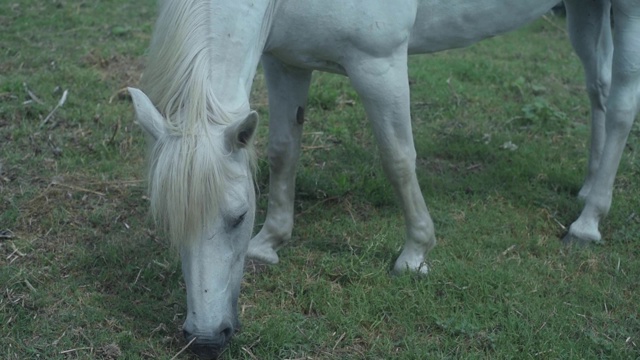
(84, 274)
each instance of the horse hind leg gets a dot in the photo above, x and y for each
(383, 87)
(590, 34)
(622, 107)
(288, 88)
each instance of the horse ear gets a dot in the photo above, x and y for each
(147, 115)
(240, 134)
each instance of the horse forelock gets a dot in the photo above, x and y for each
(187, 183)
(189, 164)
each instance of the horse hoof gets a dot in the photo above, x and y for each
(263, 254)
(416, 266)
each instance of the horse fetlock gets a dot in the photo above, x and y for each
(421, 236)
(263, 246)
(276, 232)
(262, 252)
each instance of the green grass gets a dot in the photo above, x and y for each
(83, 273)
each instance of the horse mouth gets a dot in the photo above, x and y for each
(207, 349)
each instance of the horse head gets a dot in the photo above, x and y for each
(202, 194)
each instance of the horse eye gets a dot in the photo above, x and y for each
(237, 221)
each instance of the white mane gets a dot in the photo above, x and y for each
(188, 164)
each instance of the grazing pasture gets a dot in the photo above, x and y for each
(501, 135)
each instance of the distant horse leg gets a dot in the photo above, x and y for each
(622, 107)
(384, 89)
(288, 88)
(590, 33)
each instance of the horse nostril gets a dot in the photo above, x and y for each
(226, 333)
(186, 334)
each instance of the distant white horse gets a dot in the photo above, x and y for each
(201, 65)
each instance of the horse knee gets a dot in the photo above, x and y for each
(282, 152)
(400, 170)
(598, 90)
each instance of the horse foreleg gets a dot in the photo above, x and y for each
(590, 33)
(288, 88)
(383, 87)
(621, 110)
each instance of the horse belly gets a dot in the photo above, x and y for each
(449, 24)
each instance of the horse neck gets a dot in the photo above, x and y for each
(239, 29)
(204, 53)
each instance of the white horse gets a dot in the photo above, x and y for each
(201, 64)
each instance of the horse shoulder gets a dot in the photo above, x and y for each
(326, 33)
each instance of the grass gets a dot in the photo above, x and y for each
(84, 275)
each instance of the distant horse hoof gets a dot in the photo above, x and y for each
(580, 240)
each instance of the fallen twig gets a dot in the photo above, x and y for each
(248, 351)
(32, 95)
(117, 182)
(339, 340)
(120, 93)
(61, 102)
(509, 249)
(184, 348)
(115, 132)
(316, 147)
(473, 167)
(137, 277)
(16, 251)
(31, 287)
(75, 350)
(77, 188)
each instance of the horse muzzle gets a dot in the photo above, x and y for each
(208, 347)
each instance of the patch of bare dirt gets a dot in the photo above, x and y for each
(124, 70)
